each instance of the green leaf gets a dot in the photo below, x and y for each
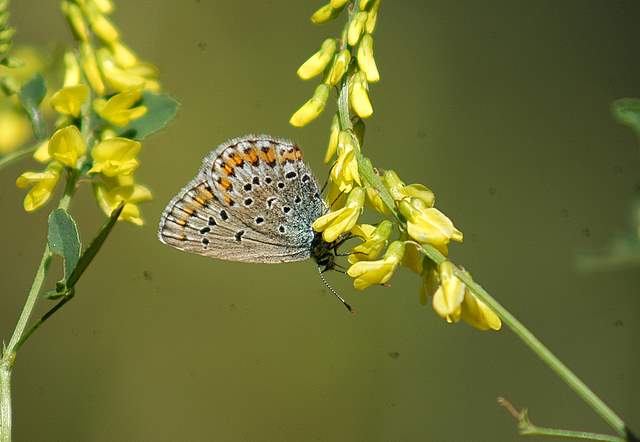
(627, 111)
(94, 247)
(64, 239)
(31, 95)
(161, 109)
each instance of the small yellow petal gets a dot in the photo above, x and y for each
(123, 55)
(324, 14)
(90, 68)
(356, 26)
(69, 100)
(312, 108)
(318, 61)
(360, 97)
(333, 139)
(449, 296)
(74, 15)
(366, 62)
(478, 314)
(339, 67)
(67, 146)
(41, 154)
(372, 18)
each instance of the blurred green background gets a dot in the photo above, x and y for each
(502, 108)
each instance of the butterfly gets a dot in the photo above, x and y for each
(253, 200)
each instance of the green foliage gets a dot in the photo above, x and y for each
(627, 111)
(31, 94)
(161, 109)
(64, 239)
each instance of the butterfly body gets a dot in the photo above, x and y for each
(253, 200)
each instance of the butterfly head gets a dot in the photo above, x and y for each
(324, 253)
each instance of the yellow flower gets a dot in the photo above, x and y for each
(355, 28)
(103, 27)
(447, 300)
(74, 16)
(345, 171)
(111, 194)
(333, 224)
(372, 18)
(90, 67)
(69, 99)
(374, 198)
(413, 257)
(67, 146)
(375, 240)
(324, 14)
(123, 55)
(428, 225)
(312, 108)
(453, 300)
(42, 185)
(318, 61)
(367, 273)
(359, 96)
(15, 129)
(339, 67)
(71, 69)
(117, 78)
(366, 62)
(104, 6)
(399, 190)
(338, 3)
(333, 139)
(117, 109)
(430, 280)
(41, 154)
(115, 156)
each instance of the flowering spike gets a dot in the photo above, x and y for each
(312, 108)
(366, 62)
(318, 61)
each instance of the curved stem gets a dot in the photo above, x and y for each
(5, 401)
(16, 155)
(580, 388)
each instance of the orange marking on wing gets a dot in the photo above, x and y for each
(225, 183)
(228, 168)
(297, 152)
(251, 156)
(228, 200)
(268, 155)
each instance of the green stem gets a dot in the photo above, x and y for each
(368, 174)
(534, 430)
(5, 400)
(579, 387)
(16, 155)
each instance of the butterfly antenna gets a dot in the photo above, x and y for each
(334, 292)
(326, 181)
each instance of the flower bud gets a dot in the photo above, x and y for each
(76, 20)
(356, 27)
(339, 67)
(324, 14)
(360, 97)
(312, 108)
(318, 61)
(90, 67)
(333, 139)
(366, 62)
(372, 17)
(123, 56)
(103, 27)
(336, 4)
(71, 69)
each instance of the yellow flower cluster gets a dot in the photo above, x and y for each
(352, 56)
(106, 77)
(412, 207)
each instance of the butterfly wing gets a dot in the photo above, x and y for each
(253, 201)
